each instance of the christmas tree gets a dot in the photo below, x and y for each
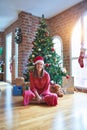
(43, 46)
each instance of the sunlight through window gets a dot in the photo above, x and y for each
(57, 46)
(79, 74)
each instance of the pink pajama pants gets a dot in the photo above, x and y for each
(51, 99)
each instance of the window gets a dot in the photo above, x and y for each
(58, 46)
(80, 74)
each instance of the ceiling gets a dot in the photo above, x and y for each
(9, 9)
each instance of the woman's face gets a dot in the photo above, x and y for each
(39, 66)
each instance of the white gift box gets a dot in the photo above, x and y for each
(68, 85)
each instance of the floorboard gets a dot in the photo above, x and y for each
(69, 114)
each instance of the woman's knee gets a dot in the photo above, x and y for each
(51, 100)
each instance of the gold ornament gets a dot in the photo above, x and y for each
(39, 49)
(33, 56)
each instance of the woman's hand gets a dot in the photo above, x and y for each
(39, 99)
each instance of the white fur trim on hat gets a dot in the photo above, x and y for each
(41, 61)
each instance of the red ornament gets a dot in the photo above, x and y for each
(52, 49)
(47, 65)
(68, 76)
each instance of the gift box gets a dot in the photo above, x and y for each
(17, 90)
(68, 85)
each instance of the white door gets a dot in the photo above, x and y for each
(8, 57)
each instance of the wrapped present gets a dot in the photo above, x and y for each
(17, 90)
(68, 85)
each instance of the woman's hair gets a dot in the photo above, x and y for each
(36, 74)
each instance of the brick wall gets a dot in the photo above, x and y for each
(28, 24)
(63, 24)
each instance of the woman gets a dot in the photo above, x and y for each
(40, 85)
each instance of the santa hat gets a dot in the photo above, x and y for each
(38, 59)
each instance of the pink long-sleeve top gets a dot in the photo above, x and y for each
(41, 85)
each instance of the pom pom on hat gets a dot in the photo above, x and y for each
(38, 59)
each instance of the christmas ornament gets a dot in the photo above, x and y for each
(49, 55)
(52, 49)
(47, 65)
(18, 35)
(39, 49)
(68, 76)
(33, 56)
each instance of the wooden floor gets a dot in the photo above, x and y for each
(69, 114)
